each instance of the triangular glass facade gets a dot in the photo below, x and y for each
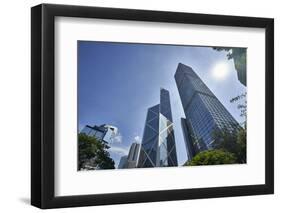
(158, 145)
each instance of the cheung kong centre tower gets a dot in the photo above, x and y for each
(204, 113)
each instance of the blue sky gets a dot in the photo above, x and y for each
(118, 82)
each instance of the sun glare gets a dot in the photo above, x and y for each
(220, 70)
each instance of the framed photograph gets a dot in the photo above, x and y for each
(139, 106)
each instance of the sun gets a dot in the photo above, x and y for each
(220, 70)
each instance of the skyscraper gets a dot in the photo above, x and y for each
(190, 148)
(105, 133)
(130, 160)
(133, 155)
(123, 163)
(158, 147)
(204, 112)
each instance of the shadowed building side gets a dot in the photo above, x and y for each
(190, 147)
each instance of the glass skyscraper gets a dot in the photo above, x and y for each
(158, 147)
(130, 160)
(133, 155)
(123, 163)
(105, 133)
(204, 112)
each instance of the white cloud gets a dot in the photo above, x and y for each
(117, 138)
(137, 139)
(118, 150)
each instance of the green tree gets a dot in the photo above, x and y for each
(212, 157)
(225, 140)
(233, 142)
(93, 153)
(242, 145)
(241, 101)
(241, 153)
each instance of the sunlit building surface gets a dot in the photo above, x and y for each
(158, 147)
(204, 112)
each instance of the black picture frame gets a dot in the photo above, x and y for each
(43, 102)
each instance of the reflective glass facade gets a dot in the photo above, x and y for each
(204, 112)
(158, 144)
(190, 147)
(105, 133)
(123, 163)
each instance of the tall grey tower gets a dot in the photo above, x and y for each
(133, 155)
(158, 147)
(204, 112)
